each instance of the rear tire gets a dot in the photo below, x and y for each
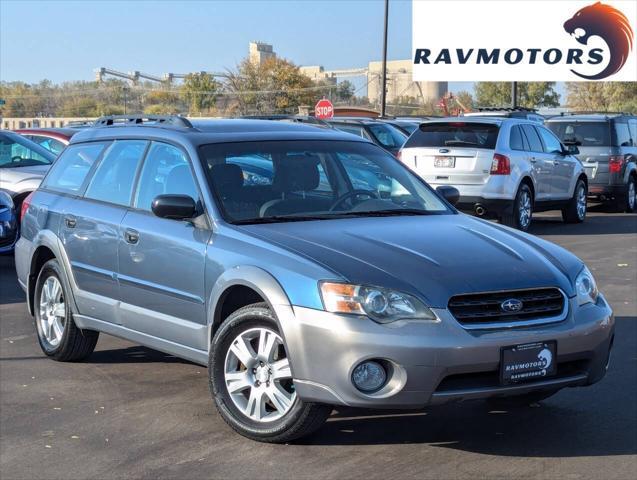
(263, 404)
(58, 335)
(628, 202)
(575, 211)
(521, 213)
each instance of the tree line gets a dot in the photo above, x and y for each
(278, 86)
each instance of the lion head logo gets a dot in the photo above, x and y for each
(609, 24)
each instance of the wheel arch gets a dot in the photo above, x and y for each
(528, 180)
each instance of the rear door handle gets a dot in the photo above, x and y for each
(131, 236)
(70, 221)
(555, 162)
(533, 160)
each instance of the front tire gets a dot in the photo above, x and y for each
(628, 202)
(521, 213)
(58, 335)
(251, 380)
(575, 211)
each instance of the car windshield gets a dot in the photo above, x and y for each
(585, 134)
(16, 151)
(278, 181)
(455, 134)
(387, 135)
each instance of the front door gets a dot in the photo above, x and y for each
(162, 261)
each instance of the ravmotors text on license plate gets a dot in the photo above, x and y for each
(528, 362)
(445, 162)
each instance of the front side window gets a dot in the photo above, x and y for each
(18, 152)
(113, 180)
(53, 145)
(551, 143)
(70, 170)
(166, 171)
(315, 180)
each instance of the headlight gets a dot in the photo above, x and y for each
(586, 287)
(379, 304)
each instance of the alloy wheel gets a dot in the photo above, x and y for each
(257, 375)
(525, 209)
(581, 202)
(52, 311)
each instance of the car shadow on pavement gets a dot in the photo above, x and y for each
(10, 291)
(560, 426)
(593, 225)
(133, 354)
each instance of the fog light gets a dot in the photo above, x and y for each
(369, 376)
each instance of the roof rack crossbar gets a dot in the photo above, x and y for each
(163, 120)
(506, 109)
(593, 112)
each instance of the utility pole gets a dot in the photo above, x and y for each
(125, 98)
(514, 94)
(383, 91)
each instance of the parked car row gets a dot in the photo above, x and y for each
(307, 267)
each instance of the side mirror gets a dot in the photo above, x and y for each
(449, 193)
(175, 207)
(571, 149)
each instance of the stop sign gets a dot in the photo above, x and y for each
(324, 109)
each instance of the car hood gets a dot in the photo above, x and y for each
(18, 179)
(434, 257)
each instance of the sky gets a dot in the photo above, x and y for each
(64, 40)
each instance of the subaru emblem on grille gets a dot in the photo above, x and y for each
(443, 150)
(511, 305)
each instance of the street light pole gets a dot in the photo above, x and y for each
(383, 99)
(514, 94)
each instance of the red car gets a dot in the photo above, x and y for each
(53, 139)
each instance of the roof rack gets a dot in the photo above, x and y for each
(593, 112)
(128, 120)
(506, 109)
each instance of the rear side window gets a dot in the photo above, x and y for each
(632, 126)
(622, 135)
(455, 134)
(113, 180)
(353, 129)
(70, 170)
(585, 134)
(535, 144)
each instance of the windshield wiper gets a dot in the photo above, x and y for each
(384, 213)
(282, 218)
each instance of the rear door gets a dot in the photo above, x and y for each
(162, 261)
(452, 153)
(541, 161)
(90, 224)
(563, 165)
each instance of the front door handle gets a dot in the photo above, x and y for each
(533, 160)
(131, 236)
(70, 221)
(555, 162)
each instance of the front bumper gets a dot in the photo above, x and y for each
(437, 362)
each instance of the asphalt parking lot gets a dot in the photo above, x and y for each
(132, 412)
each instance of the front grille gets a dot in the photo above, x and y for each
(484, 310)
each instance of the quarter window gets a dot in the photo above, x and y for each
(623, 135)
(71, 168)
(516, 140)
(113, 180)
(166, 171)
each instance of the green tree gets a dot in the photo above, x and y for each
(200, 90)
(273, 86)
(602, 96)
(530, 94)
(345, 91)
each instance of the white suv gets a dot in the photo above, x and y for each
(505, 168)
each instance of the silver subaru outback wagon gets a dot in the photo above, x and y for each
(306, 267)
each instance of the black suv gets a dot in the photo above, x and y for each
(608, 149)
